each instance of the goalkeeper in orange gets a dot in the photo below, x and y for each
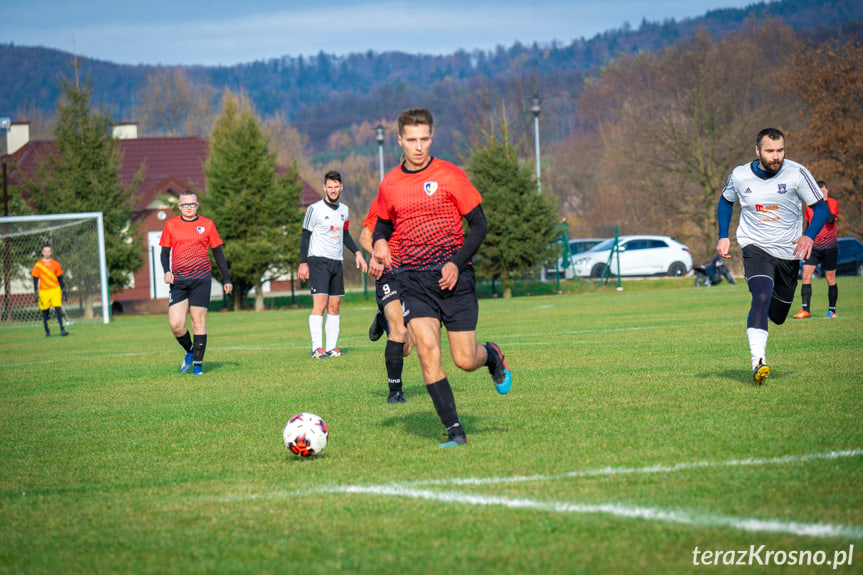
(48, 288)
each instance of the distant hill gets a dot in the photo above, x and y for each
(326, 93)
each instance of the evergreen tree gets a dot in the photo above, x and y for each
(521, 222)
(256, 210)
(82, 175)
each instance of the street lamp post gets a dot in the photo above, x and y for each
(536, 109)
(379, 134)
(5, 125)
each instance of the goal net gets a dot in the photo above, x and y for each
(78, 242)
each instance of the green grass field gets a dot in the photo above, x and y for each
(632, 435)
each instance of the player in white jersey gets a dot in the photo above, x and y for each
(771, 191)
(325, 229)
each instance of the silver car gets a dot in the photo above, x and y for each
(638, 255)
(576, 247)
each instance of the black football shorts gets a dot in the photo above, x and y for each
(457, 309)
(326, 277)
(197, 291)
(757, 262)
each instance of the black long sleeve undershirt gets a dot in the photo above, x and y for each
(305, 238)
(383, 230)
(349, 243)
(165, 256)
(219, 256)
(478, 228)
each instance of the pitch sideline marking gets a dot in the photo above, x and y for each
(615, 509)
(659, 468)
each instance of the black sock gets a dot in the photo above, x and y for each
(185, 342)
(59, 313)
(444, 402)
(200, 347)
(395, 360)
(806, 295)
(832, 296)
(45, 315)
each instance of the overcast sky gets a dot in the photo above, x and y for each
(214, 32)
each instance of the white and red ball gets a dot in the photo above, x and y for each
(306, 434)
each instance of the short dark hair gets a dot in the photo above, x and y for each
(333, 175)
(821, 184)
(771, 133)
(416, 117)
(47, 246)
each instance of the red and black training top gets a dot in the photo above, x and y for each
(189, 242)
(426, 210)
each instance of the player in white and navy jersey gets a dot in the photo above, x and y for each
(771, 192)
(325, 230)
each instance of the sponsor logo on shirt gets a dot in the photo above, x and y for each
(766, 210)
(430, 187)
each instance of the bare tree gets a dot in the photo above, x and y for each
(171, 104)
(670, 126)
(289, 145)
(829, 81)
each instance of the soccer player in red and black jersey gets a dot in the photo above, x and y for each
(185, 241)
(825, 250)
(421, 207)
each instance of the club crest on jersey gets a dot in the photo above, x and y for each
(782, 189)
(430, 187)
(200, 229)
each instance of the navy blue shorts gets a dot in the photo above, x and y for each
(757, 262)
(457, 309)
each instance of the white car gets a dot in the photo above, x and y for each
(639, 256)
(576, 247)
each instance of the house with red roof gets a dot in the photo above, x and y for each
(168, 166)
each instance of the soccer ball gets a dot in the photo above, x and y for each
(306, 434)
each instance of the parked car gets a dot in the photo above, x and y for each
(848, 263)
(639, 256)
(576, 246)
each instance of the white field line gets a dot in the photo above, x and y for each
(659, 468)
(617, 510)
(97, 356)
(411, 490)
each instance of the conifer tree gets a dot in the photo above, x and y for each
(82, 175)
(521, 222)
(255, 209)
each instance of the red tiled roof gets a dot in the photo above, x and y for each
(309, 195)
(181, 159)
(168, 163)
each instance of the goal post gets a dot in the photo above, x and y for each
(78, 241)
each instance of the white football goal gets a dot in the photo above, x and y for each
(78, 242)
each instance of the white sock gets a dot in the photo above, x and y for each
(316, 328)
(757, 345)
(332, 328)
